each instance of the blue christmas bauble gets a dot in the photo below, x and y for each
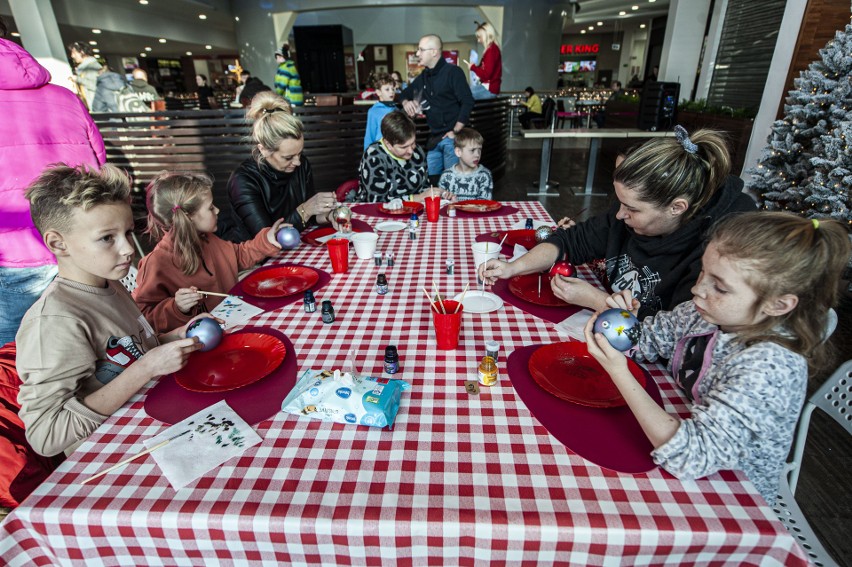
(288, 237)
(620, 327)
(208, 331)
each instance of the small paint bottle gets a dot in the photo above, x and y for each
(377, 258)
(492, 349)
(310, 302)
(391, 360)
(487, 371)
(451, 212)
(381, 284)
(450, 266)
(390, 259)
(413, 222)
(327, 312)
(412, 234)
(529, 224)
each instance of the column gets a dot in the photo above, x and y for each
(532, 33)
(682, 45)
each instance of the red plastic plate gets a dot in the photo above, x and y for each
(526, 288)
(311, 237)
(239, 360)
(408, 208)
(524, 237)
(477, 206)
(569, 372)
(280, 282)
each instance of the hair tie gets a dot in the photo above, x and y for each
(816, 223)
(176, 208)
(682, 136)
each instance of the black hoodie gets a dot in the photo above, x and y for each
(660, 270)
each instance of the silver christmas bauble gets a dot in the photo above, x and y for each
(208, 331)
(542, 233)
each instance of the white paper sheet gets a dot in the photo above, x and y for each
(234, 311)
(202, 442)
(573, 326)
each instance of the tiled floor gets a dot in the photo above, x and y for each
(824, 491)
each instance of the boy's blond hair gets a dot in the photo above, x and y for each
(60, 189)
(468, 136)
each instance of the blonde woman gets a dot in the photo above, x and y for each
(277, 182)
(490, 69)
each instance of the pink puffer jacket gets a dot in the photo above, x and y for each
(41, 124)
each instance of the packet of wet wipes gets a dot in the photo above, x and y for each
(341, 397)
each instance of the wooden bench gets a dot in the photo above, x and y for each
(217, 141)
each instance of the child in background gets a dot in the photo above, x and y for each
(741, 349)
(386, 91)
(467, 179)
(84, 348)
(190, 257)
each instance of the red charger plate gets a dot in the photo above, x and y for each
(569, 372)
(477, 206)
(239, 360)
(408, 208)
(526, 288)
(524, 237)
(280, 282)
(312, 236)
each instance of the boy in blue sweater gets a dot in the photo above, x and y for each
(386, 91)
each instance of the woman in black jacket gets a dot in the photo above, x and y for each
(277, 181)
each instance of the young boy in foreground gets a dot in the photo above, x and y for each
(467, 179)
(84, 348)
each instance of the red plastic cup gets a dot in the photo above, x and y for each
(447, 327)
(338, 250)
(433, 207)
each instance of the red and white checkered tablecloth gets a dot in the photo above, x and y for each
(460, 480)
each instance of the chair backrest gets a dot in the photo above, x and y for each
(548, 110)
(345, 192)
(834, 397)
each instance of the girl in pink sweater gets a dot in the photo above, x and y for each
(189, 257)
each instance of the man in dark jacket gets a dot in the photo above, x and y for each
(251, 86)
(441, 93)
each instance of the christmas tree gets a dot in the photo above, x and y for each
(807, 167)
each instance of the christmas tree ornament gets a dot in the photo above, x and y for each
(620, 327)
(563, 269)
(342, 215)
(542, 233)
(288, 237)
(208, 331)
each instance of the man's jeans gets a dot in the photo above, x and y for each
(442, 157)
(19, 289)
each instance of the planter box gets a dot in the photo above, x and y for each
(738, 131)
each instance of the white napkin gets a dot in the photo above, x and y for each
(573, 326)
(518, 252)
(522, 224)
(346, 235)
(394, 204)
(234, 311)
(202, 442)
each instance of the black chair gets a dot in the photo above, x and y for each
(548, 114)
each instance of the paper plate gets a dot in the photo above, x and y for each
(476, 301)
(391, 226)
(239, 360)
(569, 372)
(477, 206)
(408, 208)
(526, 288)
(280, 282)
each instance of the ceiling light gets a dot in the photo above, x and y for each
(162, 40)
(143, 2)
(641, 26)
(93, 42)
(96, 30)
(147, 49)
(600, 23)
(143, 54)
(634, 7)
(208, 47)
(189, 52)
(582, 31)
(622, 13)
(237, 18)
(591, 28)
(15, 34)
(202, 16)
(564, 13)
(651, 1)
(96, 50)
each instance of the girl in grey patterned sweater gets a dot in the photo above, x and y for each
(741, 349)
